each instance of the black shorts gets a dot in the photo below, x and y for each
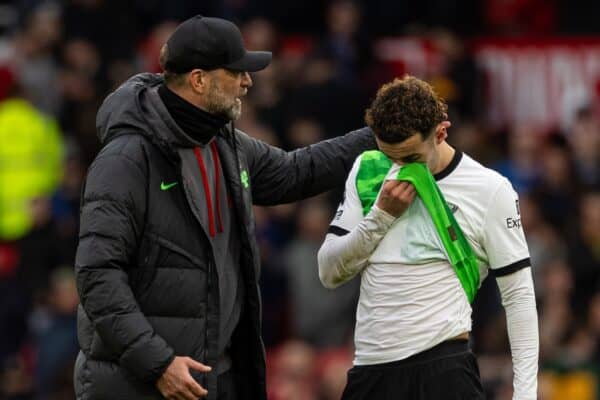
(447, 371)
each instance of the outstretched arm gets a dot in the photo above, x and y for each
(277, 176)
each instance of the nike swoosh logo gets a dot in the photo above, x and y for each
(167, 186)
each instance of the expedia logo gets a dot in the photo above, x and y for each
(513, 223)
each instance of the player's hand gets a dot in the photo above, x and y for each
(396, 196)
(176, 383)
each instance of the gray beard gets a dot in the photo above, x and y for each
(235, 112)
(229, 111)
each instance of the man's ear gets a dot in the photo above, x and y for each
(441, 132)
(198, 80)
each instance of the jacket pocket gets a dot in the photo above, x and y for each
(144, 272)
(170, 279)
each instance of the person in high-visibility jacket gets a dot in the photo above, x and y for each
(31, 151)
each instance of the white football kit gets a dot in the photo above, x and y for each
(410, 297)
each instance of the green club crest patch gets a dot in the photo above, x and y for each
(244, 179)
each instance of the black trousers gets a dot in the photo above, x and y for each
(447, 371)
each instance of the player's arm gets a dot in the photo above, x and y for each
(345, 253)
(509, 261)
(352, 238)
(518, 299)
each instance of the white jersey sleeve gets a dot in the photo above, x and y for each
(503, 238)
(351, 238)
(508, 259)
(349, 212)
(518, 299)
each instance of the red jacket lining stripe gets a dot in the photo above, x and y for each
(211, 218)
(215, 154)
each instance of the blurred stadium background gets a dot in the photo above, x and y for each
(522, 78)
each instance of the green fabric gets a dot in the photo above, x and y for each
(375, 165)
(457, 247)
(31, 151)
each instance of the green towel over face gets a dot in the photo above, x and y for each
(457, 247)
(374, 167)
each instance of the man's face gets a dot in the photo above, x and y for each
(225, 90)
(413, 149)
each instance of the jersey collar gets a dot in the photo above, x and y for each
(451, 167)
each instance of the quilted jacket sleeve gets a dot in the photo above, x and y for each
(279, 177)
(112, 215)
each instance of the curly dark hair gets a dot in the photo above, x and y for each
(403, 108)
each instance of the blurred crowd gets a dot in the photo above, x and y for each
(58, 60)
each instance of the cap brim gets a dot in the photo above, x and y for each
(252, 61)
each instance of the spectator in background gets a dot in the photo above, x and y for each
(39, 252)
(344, 41)
(16, 382)
(556, 317)
(55, 327)
(557, 188)
(267, 93)
(111, 26)
(323, 98)
(249, 122)
(259, 33)
(584, 140)
(313, 307)
(293, 53)
(149, 49)
(302, 132)
(332, 368)
(293, 372)
(584, 250)
(273, 281)
(15, 304)
(472, 138)
(457, 79)
(65, 202)
(30, 166)
(80, 74)
(33, 59)
(593, 323)
(521, 165)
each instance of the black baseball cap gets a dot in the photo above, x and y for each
(211, 43)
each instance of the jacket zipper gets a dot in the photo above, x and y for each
(258, 296)
(205, 349)
(212, 256)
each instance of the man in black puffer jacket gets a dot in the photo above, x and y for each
(167, 264)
